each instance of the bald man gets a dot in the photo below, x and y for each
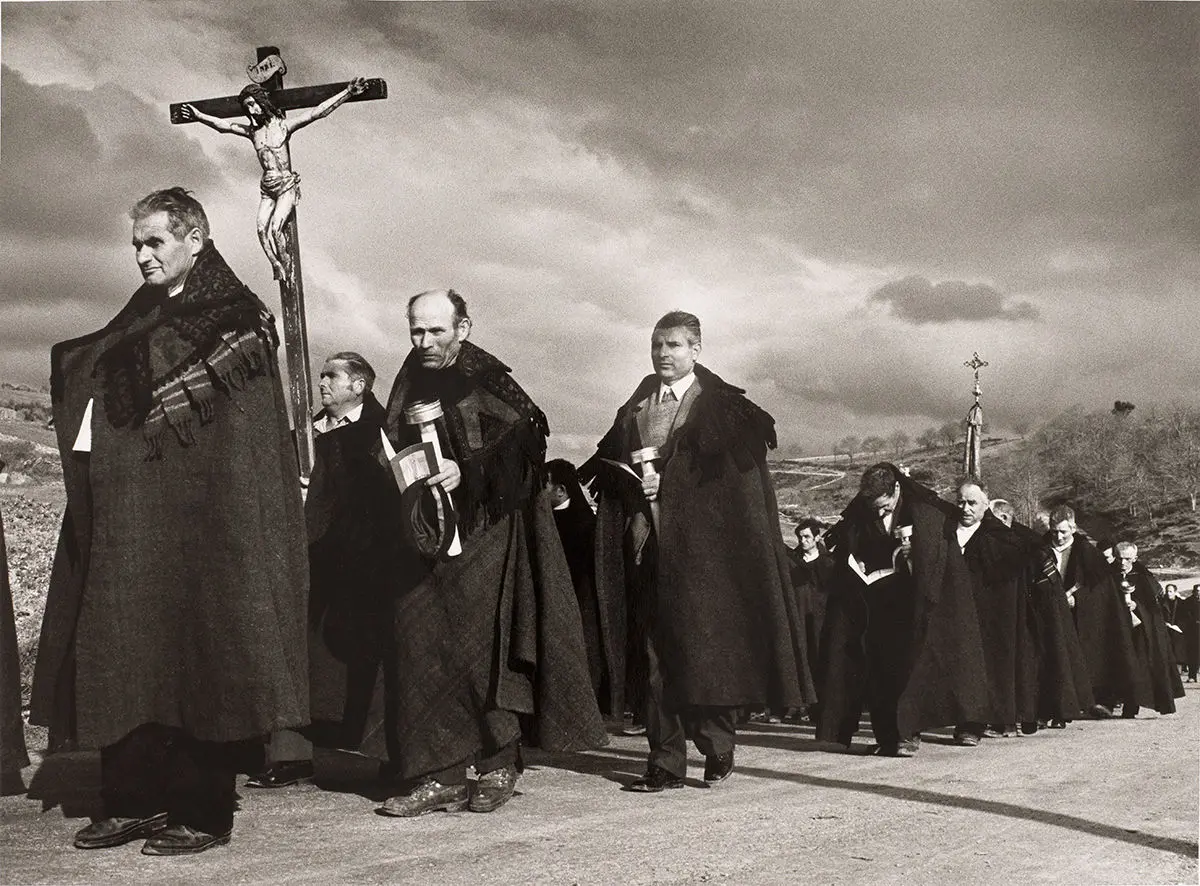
(487, 643)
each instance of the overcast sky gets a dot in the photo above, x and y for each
(853, 198)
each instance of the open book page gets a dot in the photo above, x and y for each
(410, 464)
(869, 578)
(620, 465)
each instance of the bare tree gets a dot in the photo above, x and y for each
(928, 438)
(899, 441)
(874, 445)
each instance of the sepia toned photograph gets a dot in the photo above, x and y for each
(603, 442)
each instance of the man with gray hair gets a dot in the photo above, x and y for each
(174, 634)
(1101, 617)
(1143, 595)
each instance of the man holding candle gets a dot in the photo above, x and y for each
(486, 641)
(695, 547)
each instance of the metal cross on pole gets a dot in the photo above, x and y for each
(263, 102)
(972, 465)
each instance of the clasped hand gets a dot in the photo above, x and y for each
(650, 486)
(449, 477)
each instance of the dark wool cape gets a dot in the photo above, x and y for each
(946, 682)
(1184, 613)
(811, 582)
(358, 564)
(1105, 630)
(13, 754)
(1152, 642)
(496, 628)
(998, 562)
(180, 584)
(727, 626)
(1064, 687)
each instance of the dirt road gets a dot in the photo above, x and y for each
(1099, 802)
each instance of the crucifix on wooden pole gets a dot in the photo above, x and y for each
(263, 102)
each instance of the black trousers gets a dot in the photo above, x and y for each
(157, 769)
(711, 729)
(889, 644)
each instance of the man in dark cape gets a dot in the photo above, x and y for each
(997, 562)
(13, 756)
(1184, 614)
(486, 645)
(703, 556)
(1150, 633)
(812, 575)
(576, 522)
(175, 621)
(1101, 618)
(1064, 687)
(902, 634)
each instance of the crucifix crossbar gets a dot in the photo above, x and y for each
(278, 231)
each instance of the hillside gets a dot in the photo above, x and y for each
(823, 486)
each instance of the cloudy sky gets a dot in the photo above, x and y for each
(853, 198)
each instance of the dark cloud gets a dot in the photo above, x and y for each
(917, 300)
(71, 180)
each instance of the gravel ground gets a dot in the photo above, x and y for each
(31, 521)
(1112, 802)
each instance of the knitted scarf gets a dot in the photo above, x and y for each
(166, 369)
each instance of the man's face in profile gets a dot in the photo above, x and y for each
(163, 257)
(435, 335)
(673, 353)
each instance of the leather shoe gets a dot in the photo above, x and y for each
(493, 789)
(429, 796)
(906, 748)
(718, 767)
(1101, 712)
(182, 839)
(966, 739)
(282, 775)
(108, 832)
(655, 780)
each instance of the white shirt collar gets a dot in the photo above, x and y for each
(327, 422)
(563, 505)
(966, 533)
(679, 387)
(808, 557)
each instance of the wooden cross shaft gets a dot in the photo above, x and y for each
(291, 287)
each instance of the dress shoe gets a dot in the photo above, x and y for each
(108, 832)
(182, 839)
(655, 780)
(1101, 712)
(1058, 724)
(633, 729)
(966, 739)
(429, 796)
(906, 748)
(282, 775)
(493, 789)
(718, 767)
(1129, 711)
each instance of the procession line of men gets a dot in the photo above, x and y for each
(199, 603)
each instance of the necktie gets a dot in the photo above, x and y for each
(668, 396)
